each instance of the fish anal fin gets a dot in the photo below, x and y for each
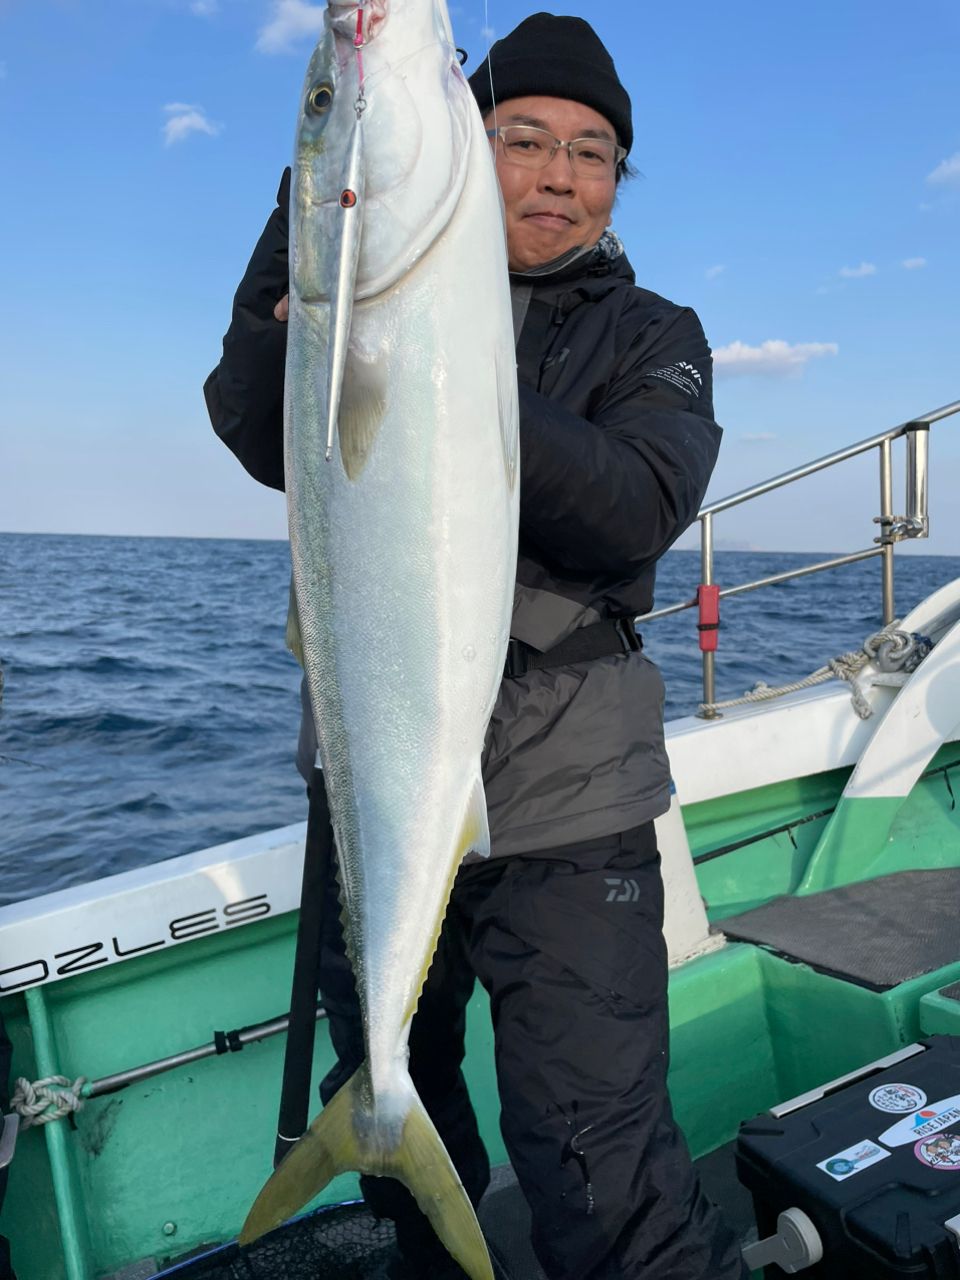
(474, 837)
(363, 402)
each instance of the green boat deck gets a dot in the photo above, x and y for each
(171, 1164)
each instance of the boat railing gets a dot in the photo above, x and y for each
(893, 529)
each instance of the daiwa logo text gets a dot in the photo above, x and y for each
(622, 890)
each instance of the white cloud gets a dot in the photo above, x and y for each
(204, 8)
(857, 273)
(947, 172)
(711, 273)
(291, 22)
(488, 33)
(913, 264)
(184, 120)
(773, 358)
(758, 437)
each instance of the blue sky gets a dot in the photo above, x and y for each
(800, 187)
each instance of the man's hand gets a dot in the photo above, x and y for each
(281, 311)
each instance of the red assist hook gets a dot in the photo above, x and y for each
(708, 598)
(358, 43)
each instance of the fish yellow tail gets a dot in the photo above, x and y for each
(349, 1135)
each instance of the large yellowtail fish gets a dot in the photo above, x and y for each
(402, 489)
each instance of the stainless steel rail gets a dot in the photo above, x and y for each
(893, 529)
(223, 1042)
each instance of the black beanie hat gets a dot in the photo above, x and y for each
(557, 58)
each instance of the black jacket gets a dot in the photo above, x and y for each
(617, 443)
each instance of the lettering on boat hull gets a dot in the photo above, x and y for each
(33, 971)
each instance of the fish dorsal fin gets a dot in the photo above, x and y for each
(363, 402)
(475, 832)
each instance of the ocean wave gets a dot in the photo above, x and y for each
(141, 723)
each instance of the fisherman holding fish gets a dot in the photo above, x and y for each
(617, 441)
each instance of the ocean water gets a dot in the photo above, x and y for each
(150, 708)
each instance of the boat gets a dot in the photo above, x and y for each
(810, 829)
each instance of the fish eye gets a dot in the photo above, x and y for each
(320, 99)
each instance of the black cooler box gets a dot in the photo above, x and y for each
(874, 1160)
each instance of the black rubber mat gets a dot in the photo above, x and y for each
(505, 1219)
(345, 1242)
(877, 934)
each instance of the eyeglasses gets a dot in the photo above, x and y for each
(535, 148)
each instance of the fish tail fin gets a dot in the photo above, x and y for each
(349, 1135)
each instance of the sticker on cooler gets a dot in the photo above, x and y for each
(923, 1123)
(897, 1097)
(942, 1151)
(856, 1158)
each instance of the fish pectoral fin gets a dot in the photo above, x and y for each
(363, 402)
(475, 832)
(348, 1134)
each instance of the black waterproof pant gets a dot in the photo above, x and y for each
(569, 946)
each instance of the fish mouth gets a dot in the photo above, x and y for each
(343, 16)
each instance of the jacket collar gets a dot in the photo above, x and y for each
(604, 261)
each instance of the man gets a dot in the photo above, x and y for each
(617, 445)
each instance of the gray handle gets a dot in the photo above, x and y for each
(796, 1246)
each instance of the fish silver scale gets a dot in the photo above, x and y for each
(404, 574)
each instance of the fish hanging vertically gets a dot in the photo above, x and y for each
(402, 473)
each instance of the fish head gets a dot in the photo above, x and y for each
(320, 122)
(317, 100)
(403, 87)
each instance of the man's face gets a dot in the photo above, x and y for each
(552, 210)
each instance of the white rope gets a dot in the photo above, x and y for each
(891, 649)
(39, 1103)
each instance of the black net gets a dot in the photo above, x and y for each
(342, 1242)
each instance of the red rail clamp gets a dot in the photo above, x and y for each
(708, 599)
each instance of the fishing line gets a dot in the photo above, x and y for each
(488, 32)
(392, 68)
